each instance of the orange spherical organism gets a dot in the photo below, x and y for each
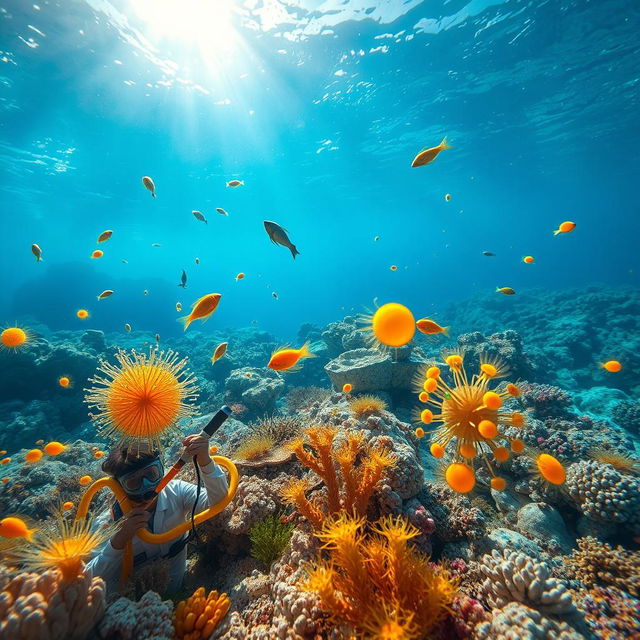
(423, 396)
(528, 260)
(430, 385)
(5, 480)
(213, 450)
(437, 450)
(85, 480)
(141, 397)
(392, 325)
(513, 390)
(97, 254)
(33, 455)
(454, 361)
(64, 381)
(501, 454)
(498, 484)
(54, 448)
(347, 388)
(489, 369)
(467, 451)
(14, 338)
(83, 314)
(5, 461)
(460, 477)
(517, 446)
(551, 469)
(426, 416)
(433, 372)
(492, 400)
(517, 419)
(488, 429)
(419, 432)
(98, 454)
(67, 505)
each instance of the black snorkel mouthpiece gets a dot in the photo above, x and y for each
(214, 424)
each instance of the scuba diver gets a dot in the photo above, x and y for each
(139, 473)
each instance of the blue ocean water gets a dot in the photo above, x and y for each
(319, 107)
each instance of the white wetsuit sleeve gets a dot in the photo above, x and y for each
(106, 560)
(215, 485)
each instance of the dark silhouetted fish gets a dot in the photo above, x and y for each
(183, 280)
(488, 253)
(278, 235)
(199, 216)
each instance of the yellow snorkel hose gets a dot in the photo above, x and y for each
(144, 534)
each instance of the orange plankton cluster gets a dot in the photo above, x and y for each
(470, 418)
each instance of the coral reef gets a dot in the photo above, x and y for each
(44, 606)
(604, 494)
(255, 388)
(300, 398)
(627, 415)
(517, 620)
(196, 617)
(148, 619)
(597, 563)
(546, 400)
(269, 538)
(379, 585)
(610, 614)
(513, 577)
(350, 473)
(369, 370)
(366, 405)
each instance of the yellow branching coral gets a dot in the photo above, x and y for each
(470, 421)
(142, 397)
(197, 617)
(66, 548)
(378, 584)
(350, 472)
(362, 406)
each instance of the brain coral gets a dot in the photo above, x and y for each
(514, 577)
(604, 494)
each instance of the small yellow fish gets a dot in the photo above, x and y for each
(219, 351)
(612, 366)
(178, 306)
(105, 294)
(240, 276)
(13, 527)
(508, 291)
(97, 254)
(565, 227)
(202, 309)
(148, 183)
(431, 328)
(429, 155)
(235, 183)
(127, 327)
(37, 252)
(287, 359)
(105, 235)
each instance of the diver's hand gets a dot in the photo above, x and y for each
(131, 522)
(197, 445)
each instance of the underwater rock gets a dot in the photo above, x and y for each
(149, 619)
(599, 401)
(370, 370)
(502, 539)
(545, 523)
(258, 391)
(343, 336)
(505, 346)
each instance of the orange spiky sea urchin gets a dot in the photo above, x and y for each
(65, 548)
(142, 397)
(14, 338)
(470, 416)
(366, 405)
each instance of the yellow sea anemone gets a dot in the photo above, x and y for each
(392, 325)
(65, 548)
(253, 446)
(142, 397)
(362, 406)
(14, 338)
(468, 417)
(619, 461)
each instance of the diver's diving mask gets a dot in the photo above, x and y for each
(140, 484)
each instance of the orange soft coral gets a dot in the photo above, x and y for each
(378, 584)
(350, 472)
(199, 615)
